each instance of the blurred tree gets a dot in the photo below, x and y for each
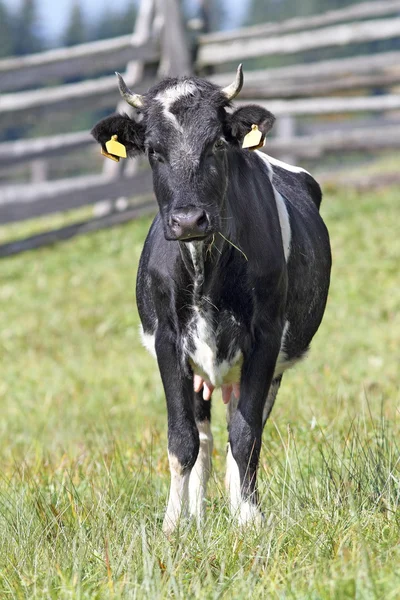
(26, 32)
(214, 13)
(112, 24)
(261, 11)
(75, 32)
(6, 36)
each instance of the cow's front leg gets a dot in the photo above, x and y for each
(200, 473)
(245, 431)
(183, 435)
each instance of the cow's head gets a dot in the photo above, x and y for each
(186, 129)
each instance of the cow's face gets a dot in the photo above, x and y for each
(185, 130)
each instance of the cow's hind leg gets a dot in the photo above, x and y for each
(245, 430)
(200, 473)
(270, 401)
(232, 479)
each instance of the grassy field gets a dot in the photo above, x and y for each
(84, 472)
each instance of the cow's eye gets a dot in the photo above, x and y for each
(219, 145)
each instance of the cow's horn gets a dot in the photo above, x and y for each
(135, 100)
(232, 90)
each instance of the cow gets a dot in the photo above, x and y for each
(233, 278)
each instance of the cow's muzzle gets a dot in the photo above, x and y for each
(189, 224)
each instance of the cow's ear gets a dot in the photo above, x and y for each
(130, 133)
(243, 118)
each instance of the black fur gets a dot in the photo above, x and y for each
(243, 118)
(130, 133)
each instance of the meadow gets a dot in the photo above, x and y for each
(84, 472)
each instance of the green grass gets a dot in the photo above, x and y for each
(84, 472)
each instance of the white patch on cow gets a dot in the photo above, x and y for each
(283, 362)
(283, 165)
(284, 222)
(232, 481)
(272, 392)
(283, 214)
(148, 341)
(178, 495)
(203, 355)
(200, 342)
(201, 471)
(170, 95)
(244, 511)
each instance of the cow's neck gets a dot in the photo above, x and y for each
(203, 262)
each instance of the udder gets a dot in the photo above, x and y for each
(227, 389)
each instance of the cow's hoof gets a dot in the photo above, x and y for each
(250, 515)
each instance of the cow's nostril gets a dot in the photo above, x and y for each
(202, 220)
(187, 224)
(175, 220)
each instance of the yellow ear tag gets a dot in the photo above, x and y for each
(254, 139)
(110, 156)
(115, 148)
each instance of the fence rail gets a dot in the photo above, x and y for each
(323, 77)
(363, 10)
(77, 61)
(216, 53)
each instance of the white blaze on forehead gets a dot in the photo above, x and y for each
(170, 95)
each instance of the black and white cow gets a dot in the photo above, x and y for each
(233, 278)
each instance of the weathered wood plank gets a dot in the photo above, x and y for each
(365, 139)
(326, 106)
(50, 238)
(21, 202)
(363, 10)
(29, 106)
(328, 76)
(339, 35)
(175, 55)
(81, 60)
(359, 182)
(21, 151)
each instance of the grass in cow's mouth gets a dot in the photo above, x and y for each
(233, 245)
(84, 470)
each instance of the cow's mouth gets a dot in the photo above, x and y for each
(197, 238)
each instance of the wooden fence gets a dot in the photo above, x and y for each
(158, 47)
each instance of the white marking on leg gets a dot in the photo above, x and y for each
(148, 341)
(232, 481)
(200, 473)
(178, 495)
(244, 511)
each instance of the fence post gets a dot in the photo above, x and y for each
(39, 170)
(175, 53)
(133, 74)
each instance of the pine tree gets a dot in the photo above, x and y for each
(26, 32)
(75, 32)
(113, 24)
(6, 37)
